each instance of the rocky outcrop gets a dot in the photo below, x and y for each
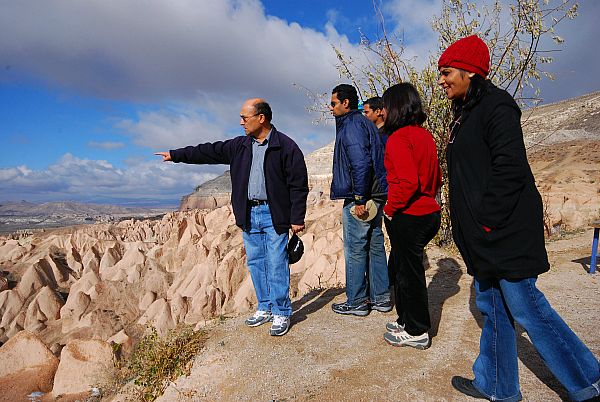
(568, 178)
(187, 268)
(568, 120)
(82, 365)
(212, 194)
(27, 366)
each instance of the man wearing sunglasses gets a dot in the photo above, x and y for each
(359, 176)
(269, 191)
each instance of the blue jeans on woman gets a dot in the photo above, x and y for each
(267, 259)
(365, 255)
(504, 301)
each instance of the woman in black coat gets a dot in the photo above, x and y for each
(497, 224)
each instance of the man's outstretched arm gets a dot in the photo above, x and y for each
(210, 153)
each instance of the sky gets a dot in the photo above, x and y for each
(90, 89)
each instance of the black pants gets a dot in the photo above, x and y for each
(409, 234)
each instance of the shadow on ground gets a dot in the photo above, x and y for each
(585, 263)
(442, 286)
(313, 301)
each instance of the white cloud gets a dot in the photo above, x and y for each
(200, 121)
(196, 60)
(92, 180)
(159, 50)
(411, 23)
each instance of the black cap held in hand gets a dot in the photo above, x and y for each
(295, 249)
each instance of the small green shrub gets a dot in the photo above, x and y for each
(156, 361)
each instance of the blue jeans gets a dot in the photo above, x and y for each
(365, 255)
(502, 302)
(267, 259)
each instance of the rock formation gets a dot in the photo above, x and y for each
(100, 281)
(212, 194)
(27, 366)
(82, 365)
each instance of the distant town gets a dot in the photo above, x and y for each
(24, 217)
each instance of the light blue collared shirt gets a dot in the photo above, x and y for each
(257, 189)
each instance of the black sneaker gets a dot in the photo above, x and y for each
(466, 386)
(344, 308)
(383, 307)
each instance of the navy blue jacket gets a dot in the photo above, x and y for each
(286, 178)
(358, 170)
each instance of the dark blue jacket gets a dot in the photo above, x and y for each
(286, 178)
(358, 170)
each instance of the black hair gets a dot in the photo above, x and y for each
(374, 103)
(347, 91)
(478, 87)
(265, 109)
(403, 107)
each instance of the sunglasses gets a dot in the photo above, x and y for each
(245, 118)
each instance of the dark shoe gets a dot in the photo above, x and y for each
(466, 386)
(383, 307)
(344, 308)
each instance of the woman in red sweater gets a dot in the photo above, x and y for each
(412, 215)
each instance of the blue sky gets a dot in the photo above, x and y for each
(89, 90)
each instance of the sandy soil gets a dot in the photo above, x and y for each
(328, 357)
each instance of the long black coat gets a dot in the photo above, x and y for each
(491, 185)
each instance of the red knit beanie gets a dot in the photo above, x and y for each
(470, 54)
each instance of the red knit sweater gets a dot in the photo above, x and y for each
(413, 172)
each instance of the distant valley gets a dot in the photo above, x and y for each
(27, 216)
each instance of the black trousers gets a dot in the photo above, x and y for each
(409, 234)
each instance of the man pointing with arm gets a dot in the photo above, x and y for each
(269, 191)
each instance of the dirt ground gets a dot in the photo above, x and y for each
(328, 357)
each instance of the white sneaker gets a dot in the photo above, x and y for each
(259, 318)
(405, 339)
(394, 327)
(280, 326)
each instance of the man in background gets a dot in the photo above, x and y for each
(269, 190)
(373, 110)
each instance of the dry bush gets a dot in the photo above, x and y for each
(155, 362)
